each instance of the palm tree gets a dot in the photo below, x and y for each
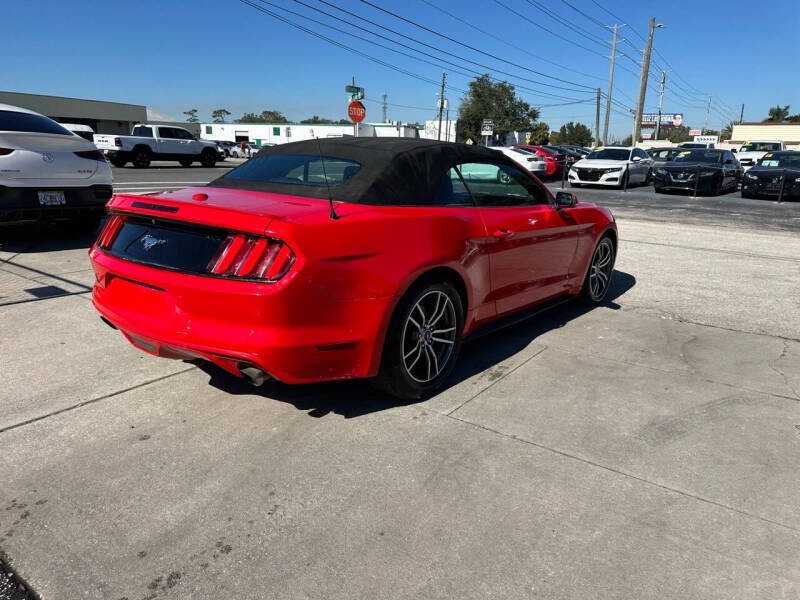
(778, 113)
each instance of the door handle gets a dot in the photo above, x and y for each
(503, 234)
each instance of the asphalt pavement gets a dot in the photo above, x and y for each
(646, 449)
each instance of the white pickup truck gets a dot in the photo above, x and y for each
(750, 152)
(156, 142)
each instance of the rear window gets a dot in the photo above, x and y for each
(296, 169)
(11, 120)
(143, 131)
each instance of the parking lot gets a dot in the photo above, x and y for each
(647, 448)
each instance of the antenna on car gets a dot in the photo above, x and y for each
(333, 214)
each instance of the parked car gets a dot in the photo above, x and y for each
(250, 149)
(226, 146)
(751, 152)
(612, 165)
(525, 158)
(571, 155)
(775, 170)
(718, 171)
(553, 160)
(661, 156)
(48, 172)
(691, 145)
(345, 258)
(157, 142)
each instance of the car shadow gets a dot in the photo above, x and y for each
(355, 398)
(48, 237)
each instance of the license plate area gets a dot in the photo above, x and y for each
(52, 198)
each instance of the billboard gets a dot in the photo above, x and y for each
(668, 120)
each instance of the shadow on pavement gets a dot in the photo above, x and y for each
(356, 398)
(48, 237)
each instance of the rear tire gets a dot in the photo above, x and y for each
(597, 281)
(423, 341)
(141, 158)
(186, 162)
(208, 158)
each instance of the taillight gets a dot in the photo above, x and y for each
(251, 257)
(118, 142)
(5, 151)
(92, 155)
(110, 231)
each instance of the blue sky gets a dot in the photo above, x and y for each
(207, 54)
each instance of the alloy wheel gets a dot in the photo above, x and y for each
(600, 269)
(429, 336)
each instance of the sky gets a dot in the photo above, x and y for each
(204, 54)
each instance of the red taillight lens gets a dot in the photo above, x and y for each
(118, 142)
(110, 231)
(6, 151)
(92, 155)
(250, 257)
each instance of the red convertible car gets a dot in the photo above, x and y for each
(345, 258)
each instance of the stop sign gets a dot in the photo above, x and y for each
(356, 111)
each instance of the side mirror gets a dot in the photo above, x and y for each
(636, 158)
(734, 150)
(566, 200)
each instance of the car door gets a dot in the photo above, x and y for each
(730, 169)
(643, 164)
(187, 144)
(530, 244)
(168, 142)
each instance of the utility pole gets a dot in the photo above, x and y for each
(741, 115)
(708, 108)
(597, 121)
(385, 120)
(447, 119)
(441, 106)
(610, 84)
(660, 101)
(643, 81)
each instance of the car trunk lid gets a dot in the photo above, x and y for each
(45, 156)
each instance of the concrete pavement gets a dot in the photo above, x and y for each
(644, 449)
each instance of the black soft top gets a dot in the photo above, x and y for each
(394, 171)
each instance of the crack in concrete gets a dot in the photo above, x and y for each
(781, 373)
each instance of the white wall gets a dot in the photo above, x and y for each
(275, 133)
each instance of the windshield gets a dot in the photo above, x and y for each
(790, 161)
(699, 155)
(760, 147)
(296, 169)
(610, 154)
(11, 120)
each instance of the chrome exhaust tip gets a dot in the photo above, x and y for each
(254, 375)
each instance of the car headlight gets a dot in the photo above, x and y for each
(617, 170)
(661, 171)
(707, 173)
(750, 176)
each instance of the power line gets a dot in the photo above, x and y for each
(507, 43)
(455, 41)
(558, 19)
(578, 10)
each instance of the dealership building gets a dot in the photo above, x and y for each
(281, 133)
(788, 133)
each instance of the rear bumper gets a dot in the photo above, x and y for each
(21, 204)
(290, 329)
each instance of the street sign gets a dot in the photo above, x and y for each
(356, 93)
(487, 128)
(356, 111)
(695, 132)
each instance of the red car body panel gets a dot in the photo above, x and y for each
(327, 317)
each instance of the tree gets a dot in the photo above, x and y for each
(540, 133)
(793, 118)
(679, 134)
(486, 99)
(219, 115)
(727, 131)
(576, 134)
(266, 116)
(191, 115)
(778, 113)
(315, 120)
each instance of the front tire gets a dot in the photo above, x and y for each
(208, 158)
(422, 342)
(598, 276)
